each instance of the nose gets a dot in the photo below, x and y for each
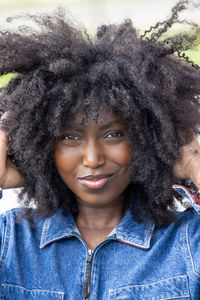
(93, 156)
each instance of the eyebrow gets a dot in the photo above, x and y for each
(110, 124)
(103, 127)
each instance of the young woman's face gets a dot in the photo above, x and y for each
(92, 159)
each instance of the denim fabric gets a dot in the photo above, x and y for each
(136, 261)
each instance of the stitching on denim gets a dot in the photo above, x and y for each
(44, 231)
(171, 297)
(149, 284)
(147, 240)
(93, 271)
(59, 234)
(93, 266)
(33, 290)
(47, 237)
(145, 243)
(188, 247)
(6, 241)
(52, 238)
(176, 297)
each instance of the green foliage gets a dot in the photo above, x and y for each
(6, 78)
(194, 55)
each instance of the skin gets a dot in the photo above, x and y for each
(9, 175)
(189, 164)
(95, 148)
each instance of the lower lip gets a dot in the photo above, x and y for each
(95, 184)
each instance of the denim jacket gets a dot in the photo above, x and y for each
(51, 261)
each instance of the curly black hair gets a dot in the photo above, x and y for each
(61, 69)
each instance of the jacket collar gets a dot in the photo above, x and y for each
(128, 230)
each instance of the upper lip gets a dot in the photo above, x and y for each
(95, 177)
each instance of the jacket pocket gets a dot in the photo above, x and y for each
(14, 292)
(171, 288)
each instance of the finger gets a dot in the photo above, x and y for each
(3, 142)
(192, 153)
(3, 151)
(189, 164)
(191, 149)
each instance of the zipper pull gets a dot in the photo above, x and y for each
(86, 286)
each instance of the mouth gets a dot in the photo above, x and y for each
(95, 182)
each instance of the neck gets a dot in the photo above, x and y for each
(100, 217)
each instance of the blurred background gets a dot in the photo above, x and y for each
(91, 14)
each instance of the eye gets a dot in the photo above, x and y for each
(115, 134)
(69, 137)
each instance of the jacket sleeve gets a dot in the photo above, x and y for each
(192, 244)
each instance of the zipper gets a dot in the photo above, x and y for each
(86, 286)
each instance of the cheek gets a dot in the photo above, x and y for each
(65, 160)
(68, 159)
(121, 154)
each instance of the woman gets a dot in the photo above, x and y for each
(97, 131)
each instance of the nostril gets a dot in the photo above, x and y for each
(93, 160)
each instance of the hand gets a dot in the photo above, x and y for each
(9, 176)
(189, 165)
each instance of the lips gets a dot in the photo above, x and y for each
(95, 182)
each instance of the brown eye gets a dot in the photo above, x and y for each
(69, 137)
(115, 134)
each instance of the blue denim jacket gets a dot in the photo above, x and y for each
(136, 261)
